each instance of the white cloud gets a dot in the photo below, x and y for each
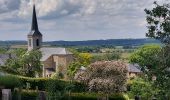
(104, 18)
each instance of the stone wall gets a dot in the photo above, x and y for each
(58, 62)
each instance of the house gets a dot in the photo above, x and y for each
(53, 59)
(134, 70)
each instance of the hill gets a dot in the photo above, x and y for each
(110, 42)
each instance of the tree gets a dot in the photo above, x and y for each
(104, 76)
(158, 20)
(146, 56)
(81, 59)
(142, 88)
(31, 64)
(19, 52)
(2, 50)
(84, 58)
(27, 64)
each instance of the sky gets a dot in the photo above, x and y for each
(74, 20)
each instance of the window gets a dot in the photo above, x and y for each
(37, 42)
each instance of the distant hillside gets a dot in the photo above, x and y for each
(10, 43)
(113, 42)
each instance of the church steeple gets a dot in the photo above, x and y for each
(35, 36)
(34, 26)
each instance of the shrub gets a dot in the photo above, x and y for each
(44, 84)
(9, 81)
(105, 76)
(141, 87)
(34, 82)
(25, 95)
(29, 95)
(95, 96)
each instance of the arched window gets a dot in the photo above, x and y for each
(37, 42)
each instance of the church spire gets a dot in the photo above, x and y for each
(34, 36)
(34, 26)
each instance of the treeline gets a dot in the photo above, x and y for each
(110, 42)
(104, 43)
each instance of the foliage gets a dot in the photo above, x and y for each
(155, 63)
(106, 56)
(34, 82)
(72, 69)
(84, 58)
(43, 83)
(81, 59)
(142, 88)
(24, 94)
(104, 76)
(31, 63)
(19, 52)
(158, 20)
(12, 81)
(89, 49)
(95, 96)
(2, 50)
(29, 93)
(57, 75)
(9, 81)
(146, 56)
(26, 64)
(162, 72)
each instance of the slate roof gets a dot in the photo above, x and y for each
(134, 68)
(34, 27)
(4, 57)
(47, 52)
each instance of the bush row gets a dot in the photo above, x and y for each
(95, 96)
(10, 81)
(33, 95)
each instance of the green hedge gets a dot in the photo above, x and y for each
(34, 82)
(33, 95)
(25, 95)
(44, 83)
(95, 96)
(11, 81)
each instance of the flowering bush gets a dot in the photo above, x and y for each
(105, 76)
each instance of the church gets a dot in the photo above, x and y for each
(53, 59)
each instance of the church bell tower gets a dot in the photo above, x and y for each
(34, 37)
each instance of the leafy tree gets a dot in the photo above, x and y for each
(72, 69)
(146, 56)
(104, 76)
(2, 50)
(27, 64)
(81, 59)
(158, 20)
(84, 58)
(31, 64)
(142, 88)
(19, 52)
